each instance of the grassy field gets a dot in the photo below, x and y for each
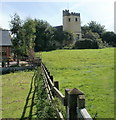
(15, 89)
(91, 71)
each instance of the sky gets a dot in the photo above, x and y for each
(101, 11)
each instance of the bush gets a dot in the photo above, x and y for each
(102, 44)
(110, 38)
(44, 108)
(86, 44)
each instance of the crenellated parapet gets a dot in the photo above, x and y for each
(67, 13)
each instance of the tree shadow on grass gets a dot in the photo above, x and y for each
(30, 102)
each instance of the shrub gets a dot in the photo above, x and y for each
(86, 44)
(102, 44)
(110, 38)
(44, 108)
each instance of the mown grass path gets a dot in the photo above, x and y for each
(91, 71)
(17, 94)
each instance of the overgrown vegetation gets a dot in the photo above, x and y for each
(45, 109)
(91, 71)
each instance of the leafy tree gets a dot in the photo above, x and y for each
(110, 38)
(84, 30)
(68, 39)
(91, 28)
(29, 28)
(63, 38)
(91, 35)
(17, 35)
(44, 35)
(96, 27)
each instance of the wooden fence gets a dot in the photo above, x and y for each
(20, 61)
(74, 99)
(25, 63)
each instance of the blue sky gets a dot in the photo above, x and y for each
(101, 11)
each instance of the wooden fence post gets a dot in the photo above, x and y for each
(66, 102)
(51, 77)
(17, 61)
(48, 73)
(66, 97)
(72, 103)
(56, 84)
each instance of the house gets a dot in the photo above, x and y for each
(5, 43)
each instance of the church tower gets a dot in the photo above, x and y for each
(72, 23)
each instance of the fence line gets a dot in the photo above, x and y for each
(74, 99)
(19, 61)
(25, 63)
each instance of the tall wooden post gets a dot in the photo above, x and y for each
(72, 106)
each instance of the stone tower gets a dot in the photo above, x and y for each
(72, 23)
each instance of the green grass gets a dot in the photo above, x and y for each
(15, 88)
(91, 71)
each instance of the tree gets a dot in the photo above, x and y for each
(63, 38)
(23, 36)
(68, 39)
(96, 27)
(29, 28)
(84, 30)
(91, 35)
(17, 35)
(44, 35)
(110, 38)
(93, 27)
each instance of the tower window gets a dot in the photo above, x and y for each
(69, 19)
(76, 19)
